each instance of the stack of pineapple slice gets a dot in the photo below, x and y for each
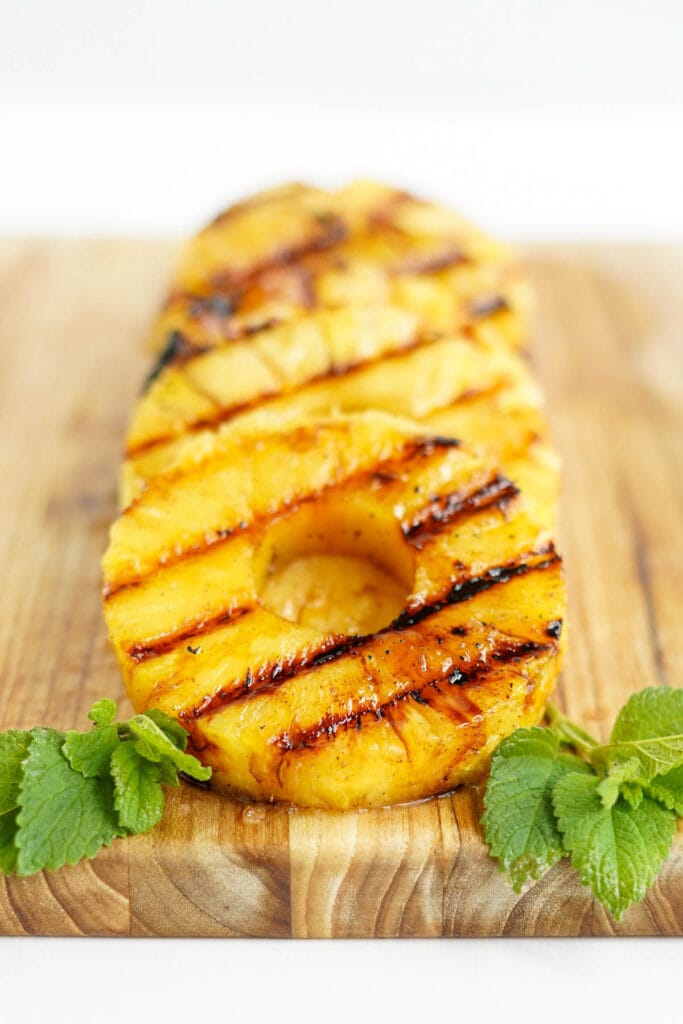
(335, 562)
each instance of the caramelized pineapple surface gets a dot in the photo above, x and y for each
(347, 611)
(343, 361)
(344, 603)
(285, 252)
(305, 302)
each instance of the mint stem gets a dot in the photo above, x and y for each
(569, 731)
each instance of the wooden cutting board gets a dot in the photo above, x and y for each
(609, 350)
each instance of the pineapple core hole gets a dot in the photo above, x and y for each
(336, 568)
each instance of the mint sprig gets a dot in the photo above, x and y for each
(64, 796)
(520, 823)
(610, 807)
(13, 752)
(617, 850)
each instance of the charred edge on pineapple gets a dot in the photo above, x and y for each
(176, 347)
(271, 676)
(428, 694)
(385, 471)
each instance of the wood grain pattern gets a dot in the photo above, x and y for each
(609, 352)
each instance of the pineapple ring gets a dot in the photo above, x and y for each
(287, 710)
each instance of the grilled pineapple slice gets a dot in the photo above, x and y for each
(344, 612)
(282, 254)
(348, 360)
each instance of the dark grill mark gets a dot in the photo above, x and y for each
(260, 680)
(456, 677)
(487, 306)
(471, 395)
(176, 347)
(141, 652)
(326, 227)
(327, 232)
(554, 629)
(428, 694)
(431, 264)
(182, 347)
(339, 650)
(444, 509)
(269, 676)
(198, 344)
(463, 590)
(441, 442)
(217, 305)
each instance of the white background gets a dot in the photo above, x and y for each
(538, 118)
(541, 119)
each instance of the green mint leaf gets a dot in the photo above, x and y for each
(13, 752)
(170, 726)
(617, 850)
(621, 778)
(138, 795)
(153, 743)
(90, 752)
(103, 712)
(168, 773)
(63, 816)
(668, 789)
(632, 793)
(608, 791)
(649, 730)
(519, 823)
(655, 711)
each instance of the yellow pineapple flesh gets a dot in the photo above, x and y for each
(343, 361)
(300, 301)
(242, 591)
(284, 253)
(342, 603)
